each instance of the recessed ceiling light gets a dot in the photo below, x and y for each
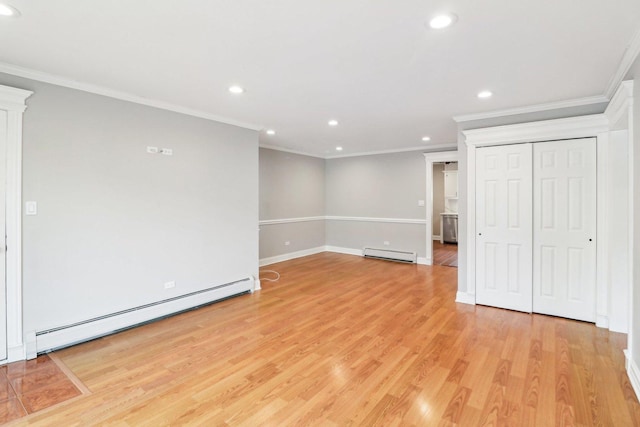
(333, 123)
(338, 148)
(443, 20)
(426, 138)
(271, 132)
(236, 89)
(485, 94)
(8, 10)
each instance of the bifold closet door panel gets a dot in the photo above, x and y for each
(504, 186)
(564, 232)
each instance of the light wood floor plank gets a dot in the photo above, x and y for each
(341, 340)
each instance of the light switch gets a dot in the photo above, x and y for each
(420, 202)
(152, 150)
(167, 151)
(31, 208)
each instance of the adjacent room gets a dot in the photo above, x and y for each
(320, 213)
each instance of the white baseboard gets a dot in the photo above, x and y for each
(291, 255)
(436, 238)
(465, 298)
(256, 285)
(423, 261)
(346, 251)
(74, 334)
(633, 372)
(602, 321)
(16, 353)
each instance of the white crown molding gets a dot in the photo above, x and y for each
(532, 109)
(426, 148)
(370, 219)
(618, 109)
(287, 150)
(116, 94)
(629, 57)
(291, 220)
(13, 99)
(572, 127)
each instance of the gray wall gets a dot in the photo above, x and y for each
(291, 186)
(377, 186)
(438, 196)
(115, 223)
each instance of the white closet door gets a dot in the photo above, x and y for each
(564, 254)
(504, 186)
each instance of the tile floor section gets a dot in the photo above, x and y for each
(33, 385)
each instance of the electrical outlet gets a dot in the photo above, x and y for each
(386, 243)
(167, 151)
(420, 202)
(152, 150)
(287, 243)
(169, 285)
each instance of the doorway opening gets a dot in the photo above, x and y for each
(442, 208)
(444, 221)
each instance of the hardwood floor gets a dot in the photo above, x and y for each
(342, 340)
(445, 254)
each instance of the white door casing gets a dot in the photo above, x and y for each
(3, 283)
(12, 104)
(504, 188)
(564, 232)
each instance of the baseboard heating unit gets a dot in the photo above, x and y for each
(390, 255)
(65, 336)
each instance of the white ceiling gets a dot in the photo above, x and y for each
(373, 65)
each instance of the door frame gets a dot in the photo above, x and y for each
(12, 100)
(430, 159)
(596, 125)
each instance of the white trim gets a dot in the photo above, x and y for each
(436, 238)
(291, 220)
(370, 219)
(287, 150)
(116, 94)
(532, 108)
(15, 106)
(546, 130)
(629, 57)
(596, 125)
(13, 99)
(256, 285)
(343, 218)
(633, 372)
(618, 109)
(94, 328)
(602, 229)
(465, 298)
(427, 148)
(430, 159)
(291, 255)
(423, 261)
(346, 251)
(602, 321)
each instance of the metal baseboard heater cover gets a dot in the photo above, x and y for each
(65, 336)
(390, 255)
